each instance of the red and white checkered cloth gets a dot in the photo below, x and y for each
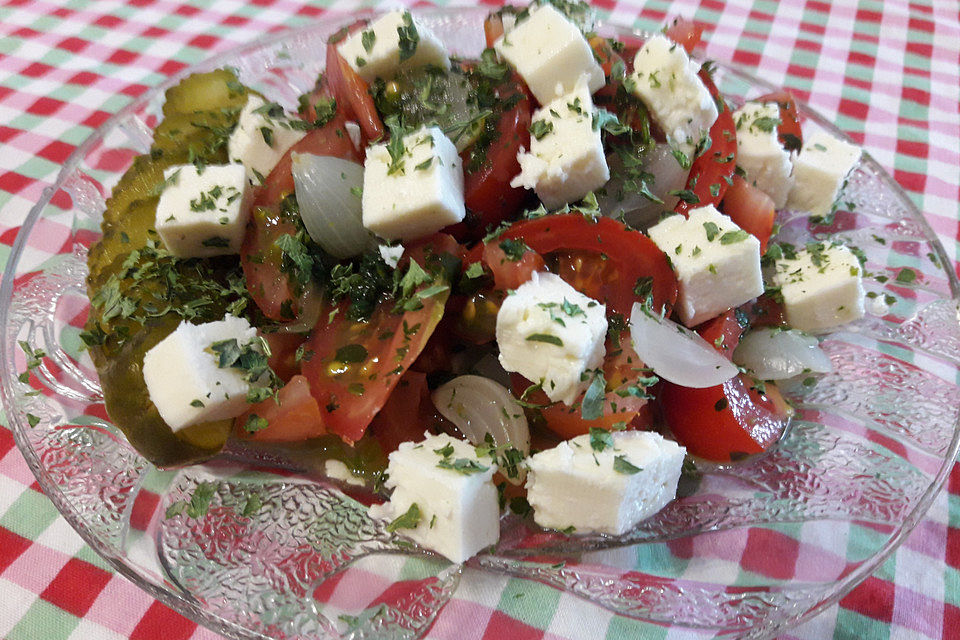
(888, 73)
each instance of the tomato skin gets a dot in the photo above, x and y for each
(492, 28)
(723, 332)
(724, 422)
(685, 32)
(634, 255)
(352, 94)
(296, 417)
(487, 193)
(751, 209)
(788, 131)
(510, 274)
(262, 262)
(712, 171)
(351, 391)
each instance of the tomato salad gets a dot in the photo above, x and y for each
(352, 345)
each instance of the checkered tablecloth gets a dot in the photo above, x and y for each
(888, 73)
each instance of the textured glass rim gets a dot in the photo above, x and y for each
(185, 606)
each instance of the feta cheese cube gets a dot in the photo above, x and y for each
(203, 213)
(759, 152)
(412, 189)
(443, 496)
(392, 43)
(666, 80)
(263, 134)
(819, 172)
(821, 285)
(595, 487)
(549, 332)
(566, 159)
(716, 262)
(184, 378)
(550, 54)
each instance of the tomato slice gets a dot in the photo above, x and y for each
(711, 171)
(293, 417)
(487, 193)
(604, 54)
(262, 261)
(353, 94)
(353, 366)
(725, 422)
(788, 131)
(407, 413)
(509, 273)
(752, 209)
(636, 261)
(283, 353)
(723, 332)
(492, 28)
(685, 32)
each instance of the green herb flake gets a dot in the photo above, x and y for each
(545, 337)
(624, 466)
(731, 237)
(408, 520)
(600, 439)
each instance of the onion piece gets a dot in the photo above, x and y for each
(778, 354)
(676, 353)
(638, 210)
(479, 406)
(327, 190)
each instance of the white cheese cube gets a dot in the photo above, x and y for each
(566, 159)
(415, 191)
(759, 152)
(550, 54)
(608, 490)
(203, 213)
(443, 495)
(821, 286)
(666, 80)
(716, 262)
(183, 375)
(819, 172)
(263, 134)
(550, 333)
(392, 43)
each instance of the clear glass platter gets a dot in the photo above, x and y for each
(758, 547)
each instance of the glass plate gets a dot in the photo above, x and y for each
(759, 546)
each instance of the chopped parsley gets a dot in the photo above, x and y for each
(624, 466)
(410, 519)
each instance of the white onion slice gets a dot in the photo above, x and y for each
(638, 210)
(330, 211)
(777, 354)
(676, 353)
(479, 406)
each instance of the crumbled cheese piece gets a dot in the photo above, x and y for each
(821, 285)
(666, 80)
(819, 172)
(203, 211)
(443, 496)
(608, 484)
(184, 377)
(413, 189)
(392, 43)
(550, 54)
(566, 159)
(550, 333)
(759, 152)
(716, 262)
(263, 134)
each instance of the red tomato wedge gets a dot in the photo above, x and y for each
(636, 260)
(293, 417)
(407, 413)
(685, 32)
(355, 365)
(723, 332)
(752, 210)
(788, 131)
(352, 94)
(711, 171)
(492, 28)
(261, 259)
(507, 273)
(487, 193)
(725, 422)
